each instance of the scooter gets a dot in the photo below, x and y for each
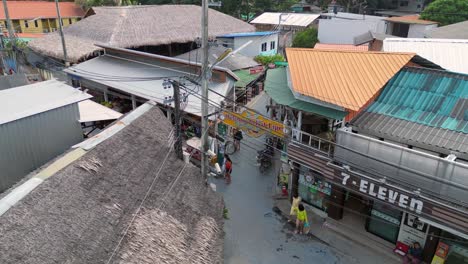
(264, 160)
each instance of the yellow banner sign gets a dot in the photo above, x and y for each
(253, 124)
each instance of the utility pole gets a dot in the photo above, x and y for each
(204, 90)
(65, 57)
(11, 31)
(177, 118)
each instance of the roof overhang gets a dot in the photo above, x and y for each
(91, 112)
(164, 58)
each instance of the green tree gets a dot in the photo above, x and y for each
(265, 60)
(446, 11)
(306, 38)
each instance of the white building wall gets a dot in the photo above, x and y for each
(418, 31)
(255, 48)
(413, 5)
(340, 31)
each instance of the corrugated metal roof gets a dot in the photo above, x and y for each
(421, 106)
(411, 19)
(276, 86)
(245, 77)
(351, 16)
(450, 54)
(345, 78)
(141, 79)
(10, 81)
(233, 62)
(323, 46)
(91, 111)
(410, 133)
(28, 100)
(453, 31)
(249, 34)
(287, 19)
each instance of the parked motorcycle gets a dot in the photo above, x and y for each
(264, 160)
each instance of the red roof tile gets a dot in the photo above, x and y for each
(36, 9)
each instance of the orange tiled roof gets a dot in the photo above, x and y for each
(345, 78)
(29, 35)
(36, 9)
(323, 46)
(411, 19)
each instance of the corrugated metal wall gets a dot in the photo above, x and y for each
(408, 158)
(28, 143)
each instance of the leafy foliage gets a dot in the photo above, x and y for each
(265, 60)
(446, 11)
(19, 44)
(90, 3)
(306, 38)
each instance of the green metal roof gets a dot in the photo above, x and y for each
(245, 77)
(276, 86)
(428, 97)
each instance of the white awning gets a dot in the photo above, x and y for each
(91, 111)
(446, 228)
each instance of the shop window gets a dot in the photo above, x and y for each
(264, 46)
(384, 222)
(313, 189)
(457, 248)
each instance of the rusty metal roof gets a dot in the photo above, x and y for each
(345, 78)
(325, 46)
(411, 19)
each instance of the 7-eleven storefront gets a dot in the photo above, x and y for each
(382, 208)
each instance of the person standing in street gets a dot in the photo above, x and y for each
(237, 139)
(228, 169)
(294, 207)
(301, 219)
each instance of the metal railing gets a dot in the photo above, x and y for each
(325, 147)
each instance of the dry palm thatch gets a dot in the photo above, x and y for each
(79, 214)
(135, 26)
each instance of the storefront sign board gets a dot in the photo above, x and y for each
(397, 197)
(412, 230)
(406, 200)
(253, 124)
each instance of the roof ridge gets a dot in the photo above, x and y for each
(136, 6)
(351, 51)
(434, 70)
(123, 17)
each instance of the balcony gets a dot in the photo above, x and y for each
(311, 151)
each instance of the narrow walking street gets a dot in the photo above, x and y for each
(254, 232)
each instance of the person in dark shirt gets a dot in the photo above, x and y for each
(237, 139)
(414, 255)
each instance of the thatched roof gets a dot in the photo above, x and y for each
(233, 62)
(79, 214)
(136, 26)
